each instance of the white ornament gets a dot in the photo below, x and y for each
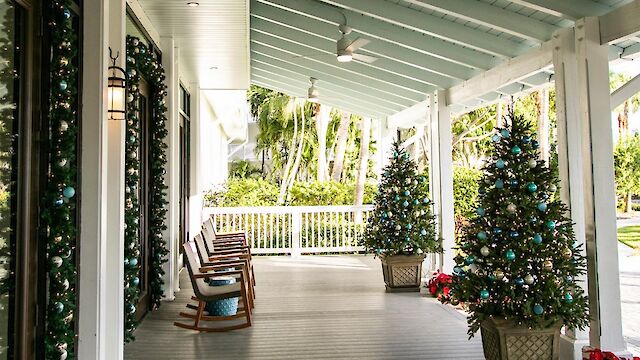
(553, 188)
(532, 163)
(484, 251)
(57, 261)
(64, 125)
(63, 355)
(529, 279)
(62, 162)
(398, 227)
(512, 208)
(65, 284)
(408, 181)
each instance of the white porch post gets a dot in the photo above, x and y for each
(101, 303)
(170, 58)
(587, 171)
(441, 176)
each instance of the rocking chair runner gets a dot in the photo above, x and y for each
(237, 259)
(205, 293)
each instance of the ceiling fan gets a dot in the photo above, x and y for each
(313, 95)
(346, 49)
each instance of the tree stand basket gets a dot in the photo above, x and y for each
(504, 340)
(402, 273)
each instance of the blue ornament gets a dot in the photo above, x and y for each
(126, 261)
(480, 211)
(551, 224)
(405, 203)
(58, 306)
(426, 200)
(569, 278)
(482, 190)
(492, 277)
(533, 219)
(395, 154)
(482, 235)
(135, 281)
(406, 238)
(484, 294)
(469, 260)
(532, 187)
(510, 255)
(68, 192)
(504, 133)
(568, 298)
(397, 197)
(406, 193)
(423, 178)
(409, 226)
(63, 85)
(423, 232)
(542, 206)
(416, 202)
(534, 144)
(66, 13)
(500, 164)
(495, 138)
(513, 234)
(526, 139)
(132, 139)
(497, 230)
(133, 262)
(537, 239)
(499, 184)
(513, 182)
(131, 308)
(519, 281)
(59, 202)
(384, 215)
(538, 309)
(516, 150)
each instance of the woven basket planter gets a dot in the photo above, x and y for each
(504, 340)
(402, 273)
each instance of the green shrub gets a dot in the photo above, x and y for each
(243, 192)
(465, 190)
(328, 193)
(242, 169)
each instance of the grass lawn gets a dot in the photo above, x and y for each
(630, 235)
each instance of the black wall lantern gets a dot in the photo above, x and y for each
(117, 90)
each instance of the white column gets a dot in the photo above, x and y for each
(441, 176)
(387, 135)
(572, 190)
(169, 57)
(91, 314)
(589, 163)
(195, 197)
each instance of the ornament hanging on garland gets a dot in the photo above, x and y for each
(142, 63)
(59, 206)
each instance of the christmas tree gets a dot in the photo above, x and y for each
(402, 222)
(518, 259)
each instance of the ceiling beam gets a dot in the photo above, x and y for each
(326, 93)
(331, 84)
(620, 23)
(268, 56)
(433, 25)
(624, 92)
(567, 9)
(423, 62)
(509, 72)
(376, 29)
(323, 48)
(379, 79)
(300, 93)
(492, 16)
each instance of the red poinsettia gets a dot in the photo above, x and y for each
(439, 286)
(597, 354)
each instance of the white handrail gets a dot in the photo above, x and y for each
(295, 229)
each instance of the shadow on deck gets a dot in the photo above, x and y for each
(317, 307)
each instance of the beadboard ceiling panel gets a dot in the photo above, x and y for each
(213, 38)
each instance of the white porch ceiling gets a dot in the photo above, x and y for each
(211, 35)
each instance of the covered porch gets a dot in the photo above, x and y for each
(316, 307)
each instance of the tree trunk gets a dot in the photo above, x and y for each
(290, 157)
(341, 146)
(628, 203)
(322, 122)
(363, 166)
(296, 164)
(542, 103)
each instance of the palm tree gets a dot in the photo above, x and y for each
(341, 146)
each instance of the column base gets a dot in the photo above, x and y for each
(571, 348)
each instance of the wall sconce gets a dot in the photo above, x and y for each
(117, 84)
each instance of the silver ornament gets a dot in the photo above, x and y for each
(499, 274)
(567, 253)
(512, 208)
(529, 279)
(553, 188)
(64, 126)
(484, 251)
(57, 261)
(548, 265)
(65, 284)
(532, 163)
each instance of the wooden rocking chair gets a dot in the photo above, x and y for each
(238, 243)
(205, 293)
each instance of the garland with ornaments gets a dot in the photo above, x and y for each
(519, 258)
(59, 199)
(142, 63)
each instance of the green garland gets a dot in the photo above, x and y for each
(141, 63)
(59, 200)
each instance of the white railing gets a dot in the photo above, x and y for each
(295, 229)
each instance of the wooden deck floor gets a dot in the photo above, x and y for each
(317, 307)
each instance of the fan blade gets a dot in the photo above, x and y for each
(364, 58)
(357, 44)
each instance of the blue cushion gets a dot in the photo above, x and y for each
(224, 307)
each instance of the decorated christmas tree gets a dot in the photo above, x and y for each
(518, 259)
(402, 222)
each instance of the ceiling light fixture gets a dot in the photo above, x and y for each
(193, 4)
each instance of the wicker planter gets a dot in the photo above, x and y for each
(504, 340)
(402, 273)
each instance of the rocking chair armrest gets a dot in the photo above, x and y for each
(225, 251)
(229, 242)
(230, 233)
(212, 267)
(230, 246)
(207, 275)
(225, 263)
(227, 256)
